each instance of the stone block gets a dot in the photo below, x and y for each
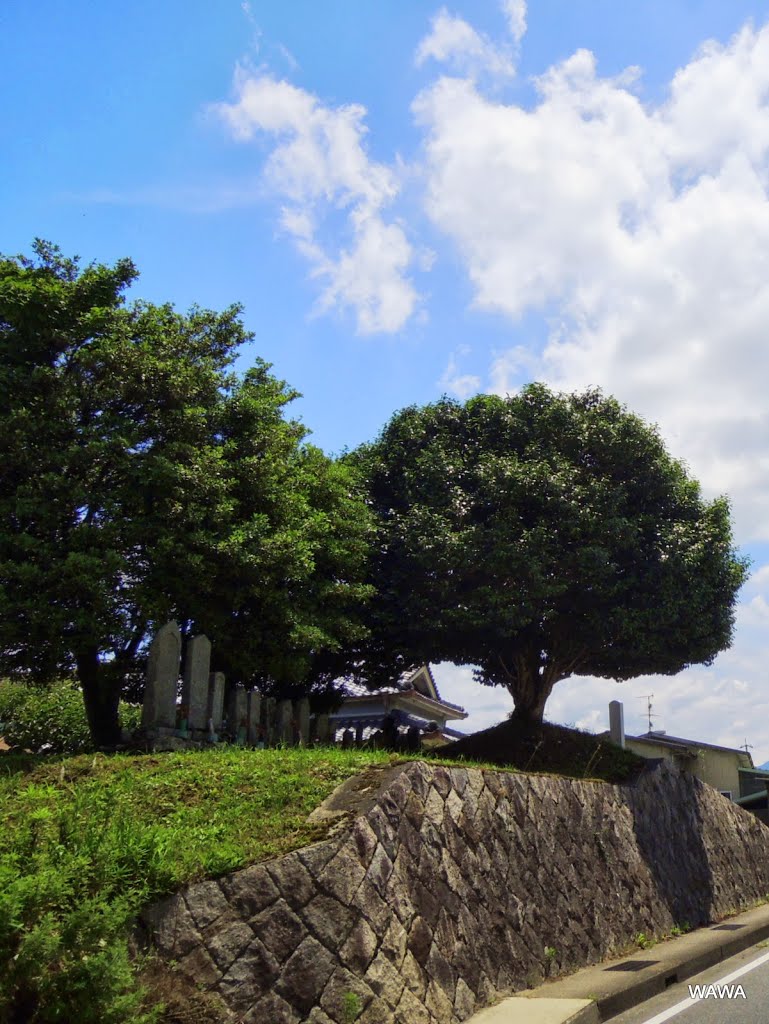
(328, 920)
(279, 929)
(228, 943)
(384, 980)
(199, 968)
(364, 840)
(379, 870)
(438, 1003)
(272, 1010)
(292, 878)
(206, 903)
(249, 890)
(250, 978)
(172, 927)
(359, 949)
(411, 1010)
(337, 988)
(305, 975)
(342, 876)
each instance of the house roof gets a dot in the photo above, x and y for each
(416, 689)
(420, 679)
(679, 743)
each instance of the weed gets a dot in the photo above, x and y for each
(550, 954)
(643, 941)
(593, 759)
(351, 1007)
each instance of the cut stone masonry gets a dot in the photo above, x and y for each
(447, 886)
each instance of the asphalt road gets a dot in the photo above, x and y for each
(747, 972)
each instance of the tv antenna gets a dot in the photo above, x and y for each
(746, 746)
(648, 698)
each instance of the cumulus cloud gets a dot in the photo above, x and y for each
(319, 165)
(452, 41)
(515, 13)
(642, 231)
(452, 382)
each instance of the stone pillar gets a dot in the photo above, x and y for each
(159, 709)
(303, 716)
(285, 713)
(617, 723)
(216, 700)
(195, 682)
(324, 729)
(237, 713)
(268, 721)
(254, 718)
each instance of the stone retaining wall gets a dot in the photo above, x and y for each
(448, 890)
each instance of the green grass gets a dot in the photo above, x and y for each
(86, 841)
(177, 817)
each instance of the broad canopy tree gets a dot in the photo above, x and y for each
(141, 479)
(541, 536)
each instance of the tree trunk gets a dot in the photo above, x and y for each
(101, 698)
(529, 712)
(530, 690)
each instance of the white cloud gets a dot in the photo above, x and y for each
(642, 230)
(462, 385)
(319, 165)
(515, 13)
(485, 705)
(452, 41)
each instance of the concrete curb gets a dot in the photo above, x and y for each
(610, 990)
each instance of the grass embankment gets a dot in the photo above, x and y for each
(549, 748)
(86, 841)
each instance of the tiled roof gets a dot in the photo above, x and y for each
(353, 689)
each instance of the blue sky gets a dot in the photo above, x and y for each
(411, 199)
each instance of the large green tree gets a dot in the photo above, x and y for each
(141, 479)
(540, 536)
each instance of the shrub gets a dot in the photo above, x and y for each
(50, 718)
(69, 888)
(12, 696)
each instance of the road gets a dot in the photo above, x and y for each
(742, 999)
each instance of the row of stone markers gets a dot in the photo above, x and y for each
(202, 716)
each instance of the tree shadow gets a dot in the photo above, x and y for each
(667, 812)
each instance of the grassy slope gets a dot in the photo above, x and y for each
(86, 841)
(169, 818)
